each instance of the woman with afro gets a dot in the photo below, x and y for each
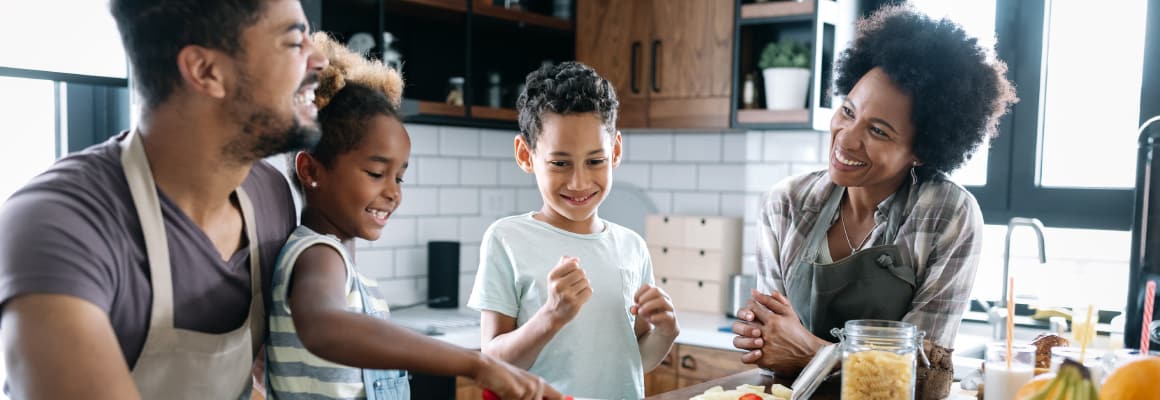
(882, 233)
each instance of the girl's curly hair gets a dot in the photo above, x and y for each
(350, 91)
(958, 88)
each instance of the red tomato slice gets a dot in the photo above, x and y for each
(750, 396)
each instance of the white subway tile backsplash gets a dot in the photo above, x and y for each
(478, 173)
(674, 176)
(510, 174)
(698, 147)
(411, 262)
(696, 203)
(438, 171)
(528, 200)
(468, 258)
(400, 232)
(424, 140)
(733, 147)
(792, 146)
(458, 141)
(754, 150)
(438, 228)
(762, 177)
(648, 146)
(403, 291)
(663, 201)
(471, 229)
(497, 202)
(466, 284)
(458, 201)
(749, 239)
(749, 265)
(636, 174)
(805, 168)
(721, 178)
(733, 205)
(497, 144)
(375, 263)
(418, 200)
(752, 207)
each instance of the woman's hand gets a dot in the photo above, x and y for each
(769, 328)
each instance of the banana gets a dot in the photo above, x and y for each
(1072, 382)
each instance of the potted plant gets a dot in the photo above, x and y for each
(786, 68)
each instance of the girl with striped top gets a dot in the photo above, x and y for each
(329, 337)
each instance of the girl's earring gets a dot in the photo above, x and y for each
(913, 175)
(314, 185)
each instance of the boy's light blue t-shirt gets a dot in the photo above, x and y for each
(596, 354)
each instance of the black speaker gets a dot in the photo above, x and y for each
(443, 274)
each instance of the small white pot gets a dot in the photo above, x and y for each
(786, 88)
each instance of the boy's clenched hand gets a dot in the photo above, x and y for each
(655, 306)
(568, 290)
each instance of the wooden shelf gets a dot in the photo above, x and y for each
(778, 10)
(449, 5)
(523, 17)
(441, 109)
(801, 116)
(503, 114)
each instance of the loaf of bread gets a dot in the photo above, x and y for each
(1043, 344)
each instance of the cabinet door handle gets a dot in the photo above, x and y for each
(687, 362)
(656, 46)
(634, 85)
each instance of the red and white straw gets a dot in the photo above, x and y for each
(1149, 298)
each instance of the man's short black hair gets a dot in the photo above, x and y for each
(154, 31)
(958, 89)
(567, 88)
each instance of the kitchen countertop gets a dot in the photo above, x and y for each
(697, 329)
(830, 389)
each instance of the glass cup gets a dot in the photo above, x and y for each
(1001, 382)
(1094, 360)
(1120, 357)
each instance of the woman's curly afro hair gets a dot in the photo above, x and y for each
(958, 88)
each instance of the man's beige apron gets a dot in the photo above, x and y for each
(178, 363)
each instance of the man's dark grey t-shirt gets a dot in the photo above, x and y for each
(74, 230)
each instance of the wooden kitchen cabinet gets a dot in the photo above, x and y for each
(688, 365)
(612, 36)
(669, 60)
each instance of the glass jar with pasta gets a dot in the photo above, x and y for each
(879, 359)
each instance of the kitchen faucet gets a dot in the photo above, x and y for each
(995, 316)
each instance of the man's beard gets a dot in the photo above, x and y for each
(264, 131)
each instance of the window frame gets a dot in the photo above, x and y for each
(1014, 159)
(89, 109)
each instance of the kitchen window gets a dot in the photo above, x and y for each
(1066, 153)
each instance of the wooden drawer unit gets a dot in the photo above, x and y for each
(688, 365)
(665, 230)
(705, 364)
(465, 389)
(693, 258)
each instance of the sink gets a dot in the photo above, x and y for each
(971, 343)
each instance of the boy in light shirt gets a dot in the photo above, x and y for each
(562, 292)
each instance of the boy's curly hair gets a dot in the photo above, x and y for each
(350, 91)
(567, 88)
(958, 89)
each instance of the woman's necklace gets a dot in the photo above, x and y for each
(847, 234)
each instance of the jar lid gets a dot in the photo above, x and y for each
(817, 371)
(456, 79)
(880, 328)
